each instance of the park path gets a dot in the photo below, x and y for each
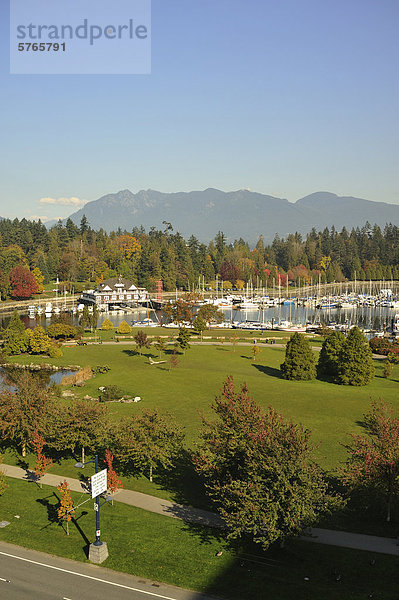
(198, 516)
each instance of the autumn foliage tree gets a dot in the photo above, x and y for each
(373, 459)
(258, 469)
(23, 283)
(65, 510)
(113, 481)
(24, 411)
(141, 340)
(43, 463)
(180, 311)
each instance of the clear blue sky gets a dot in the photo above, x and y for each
(285, 97)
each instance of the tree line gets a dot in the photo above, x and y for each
(32, 255)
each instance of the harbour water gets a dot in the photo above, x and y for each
(375, 318)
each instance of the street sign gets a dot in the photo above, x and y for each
(95, 506)
(98, 483)
(98, 533)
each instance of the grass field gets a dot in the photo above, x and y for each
(165, 549)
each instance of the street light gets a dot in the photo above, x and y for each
(98, 550)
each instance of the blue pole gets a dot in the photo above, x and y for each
(98, 542)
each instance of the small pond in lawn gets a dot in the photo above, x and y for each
(10, 375)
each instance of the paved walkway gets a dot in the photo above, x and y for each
(198, 516)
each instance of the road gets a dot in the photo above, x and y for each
(30, 575)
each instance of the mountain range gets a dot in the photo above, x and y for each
(239, 214)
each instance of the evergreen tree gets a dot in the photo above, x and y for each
(15, 337)
(327, 365)
(299, 363)
(85, 319)
(39, 341)
(387, 369)
(84, 225)
(355, 362)
(183, 339)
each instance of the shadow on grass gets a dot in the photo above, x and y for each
(51, 507)
(82, 533)
(131, 352)
(183, 481)
(271, 371)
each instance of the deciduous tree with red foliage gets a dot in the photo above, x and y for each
(113, 482)
(23, 283)
(42, 464)
(373, 460)
(65, 510)
(259, 471)
(25, 411)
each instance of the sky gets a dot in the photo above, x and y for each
(284, 97)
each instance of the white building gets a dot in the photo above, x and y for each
(116, 290)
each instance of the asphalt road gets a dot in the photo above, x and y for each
(30, 575)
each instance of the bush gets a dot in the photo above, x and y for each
(107, 325)
(110, 392)
(123, 328)
(61, 330)
(381, 345)
(55, 352)
(100, 369)
(393, 356)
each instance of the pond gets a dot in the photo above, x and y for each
(46, 376)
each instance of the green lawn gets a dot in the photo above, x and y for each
(186, 555)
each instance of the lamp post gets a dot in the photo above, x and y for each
(98, 550)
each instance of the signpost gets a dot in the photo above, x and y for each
(98, 550)
(98, 483)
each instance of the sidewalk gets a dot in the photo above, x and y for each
(198, 516)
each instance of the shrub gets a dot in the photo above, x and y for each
(99, 369)
(107, 325)
(110, 392)
(55, 352)
(124, 328)
(381, 345)
(61, 330)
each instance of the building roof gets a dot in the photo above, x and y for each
(116, 283)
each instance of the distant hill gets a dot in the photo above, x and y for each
(238, 214)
